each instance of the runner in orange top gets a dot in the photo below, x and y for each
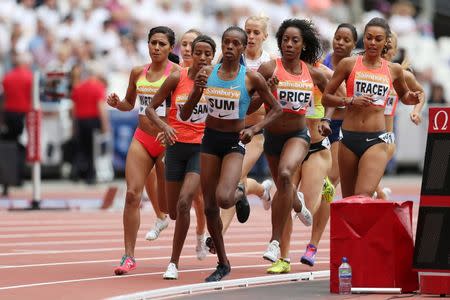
(369, 79)
(287, 139)
(183, 139)
(144, 151)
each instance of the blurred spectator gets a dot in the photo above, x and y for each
(437, 95)
(17, 87)
(89, 115)
(49, 14)
(402, 18)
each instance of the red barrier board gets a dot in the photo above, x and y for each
(33, 123)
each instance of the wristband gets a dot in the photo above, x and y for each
(326, 120)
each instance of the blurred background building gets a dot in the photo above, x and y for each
(70, 35)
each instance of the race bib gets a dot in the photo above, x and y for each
(374, 85)
(199, 112)
(295, 96)
(326, 143)
(391, 104)
(222, 103)
(145, 95)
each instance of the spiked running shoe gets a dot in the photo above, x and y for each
(242, 205)
(280, 267)
(220, 272)
(273, 251)
(127, 264)
(328, 190)
(266, 198)
(171, 272)
(304, 215)
(310, 255)
(160, 225)
(201, 249)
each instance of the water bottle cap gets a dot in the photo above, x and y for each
(344, 259)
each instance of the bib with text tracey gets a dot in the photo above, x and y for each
(199, 112)
(145, 95)
(222, 103)
(295, 96)
(374, 85)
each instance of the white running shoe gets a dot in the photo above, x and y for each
(304, 215)
(171, 272)
(201, 249)
(273, 251)
(266, 198)
(160, 225)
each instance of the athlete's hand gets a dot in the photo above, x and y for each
(413, 98)
(201, 79)
(415, 117)
(272, 82)
(113, 100)
(170, 135)
(364, 100)
(246, 135)
(324, 128)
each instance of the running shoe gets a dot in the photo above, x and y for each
(127, 264)
(220, 272)
(273, 251)
(328, 190)
(160, 225)
(310, 255)
(304, 215)
(266, 198)
(171, 272)
(242, 205)
(280, 267)
(201, 249)
(210, 244)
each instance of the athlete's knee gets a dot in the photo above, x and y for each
(133, 197)
(183, 207)
(284, 178)
(225, 198)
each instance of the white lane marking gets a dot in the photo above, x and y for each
(124, 277)
(235, 254)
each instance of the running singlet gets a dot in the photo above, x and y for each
(295, 92)
(253, 64)
(229, 99)
(364, 81)
(146, 90)
(189, 131)
(327, 61)
(391, 104)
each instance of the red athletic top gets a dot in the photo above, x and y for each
(374, 82)
(189, 131)
(294, 92)
(17, 85)
(86, 96)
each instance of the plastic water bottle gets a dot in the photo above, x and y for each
(345, 278)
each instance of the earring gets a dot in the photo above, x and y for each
(304, 48)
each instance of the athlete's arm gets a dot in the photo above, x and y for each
(126, 104)
(415, 86)
(199, 85)
(260, 86)
(266, 70)
(404, 93)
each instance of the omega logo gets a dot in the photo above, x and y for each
(444, 125)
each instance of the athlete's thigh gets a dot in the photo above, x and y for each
(138, 165)
(314, 171)
(372, 165)
(253, 151)
(348, 170)
(160, 179)
(231, 171)
(190, 185)
(292, 155)
(273, 162)
(209, 175)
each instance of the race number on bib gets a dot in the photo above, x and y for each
(222, 103)
(145, 94)
(388, 137)
(391, 104)
(199, 112)
(295, 96)
(374, 85)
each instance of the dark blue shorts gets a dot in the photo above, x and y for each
(220, 143)
(181, 158)
(274, 143)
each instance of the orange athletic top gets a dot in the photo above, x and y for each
(295, 92)
(373, 82)
(189, 131)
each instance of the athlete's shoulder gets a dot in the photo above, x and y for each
(267, 68)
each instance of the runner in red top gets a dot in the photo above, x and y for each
(145, 151)
(183, 139)
(369, 79)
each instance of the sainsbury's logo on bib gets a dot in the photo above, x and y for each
(374, 85)
(199, 112)
(295, 96)
(223, 103)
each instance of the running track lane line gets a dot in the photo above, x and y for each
(123, 277)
